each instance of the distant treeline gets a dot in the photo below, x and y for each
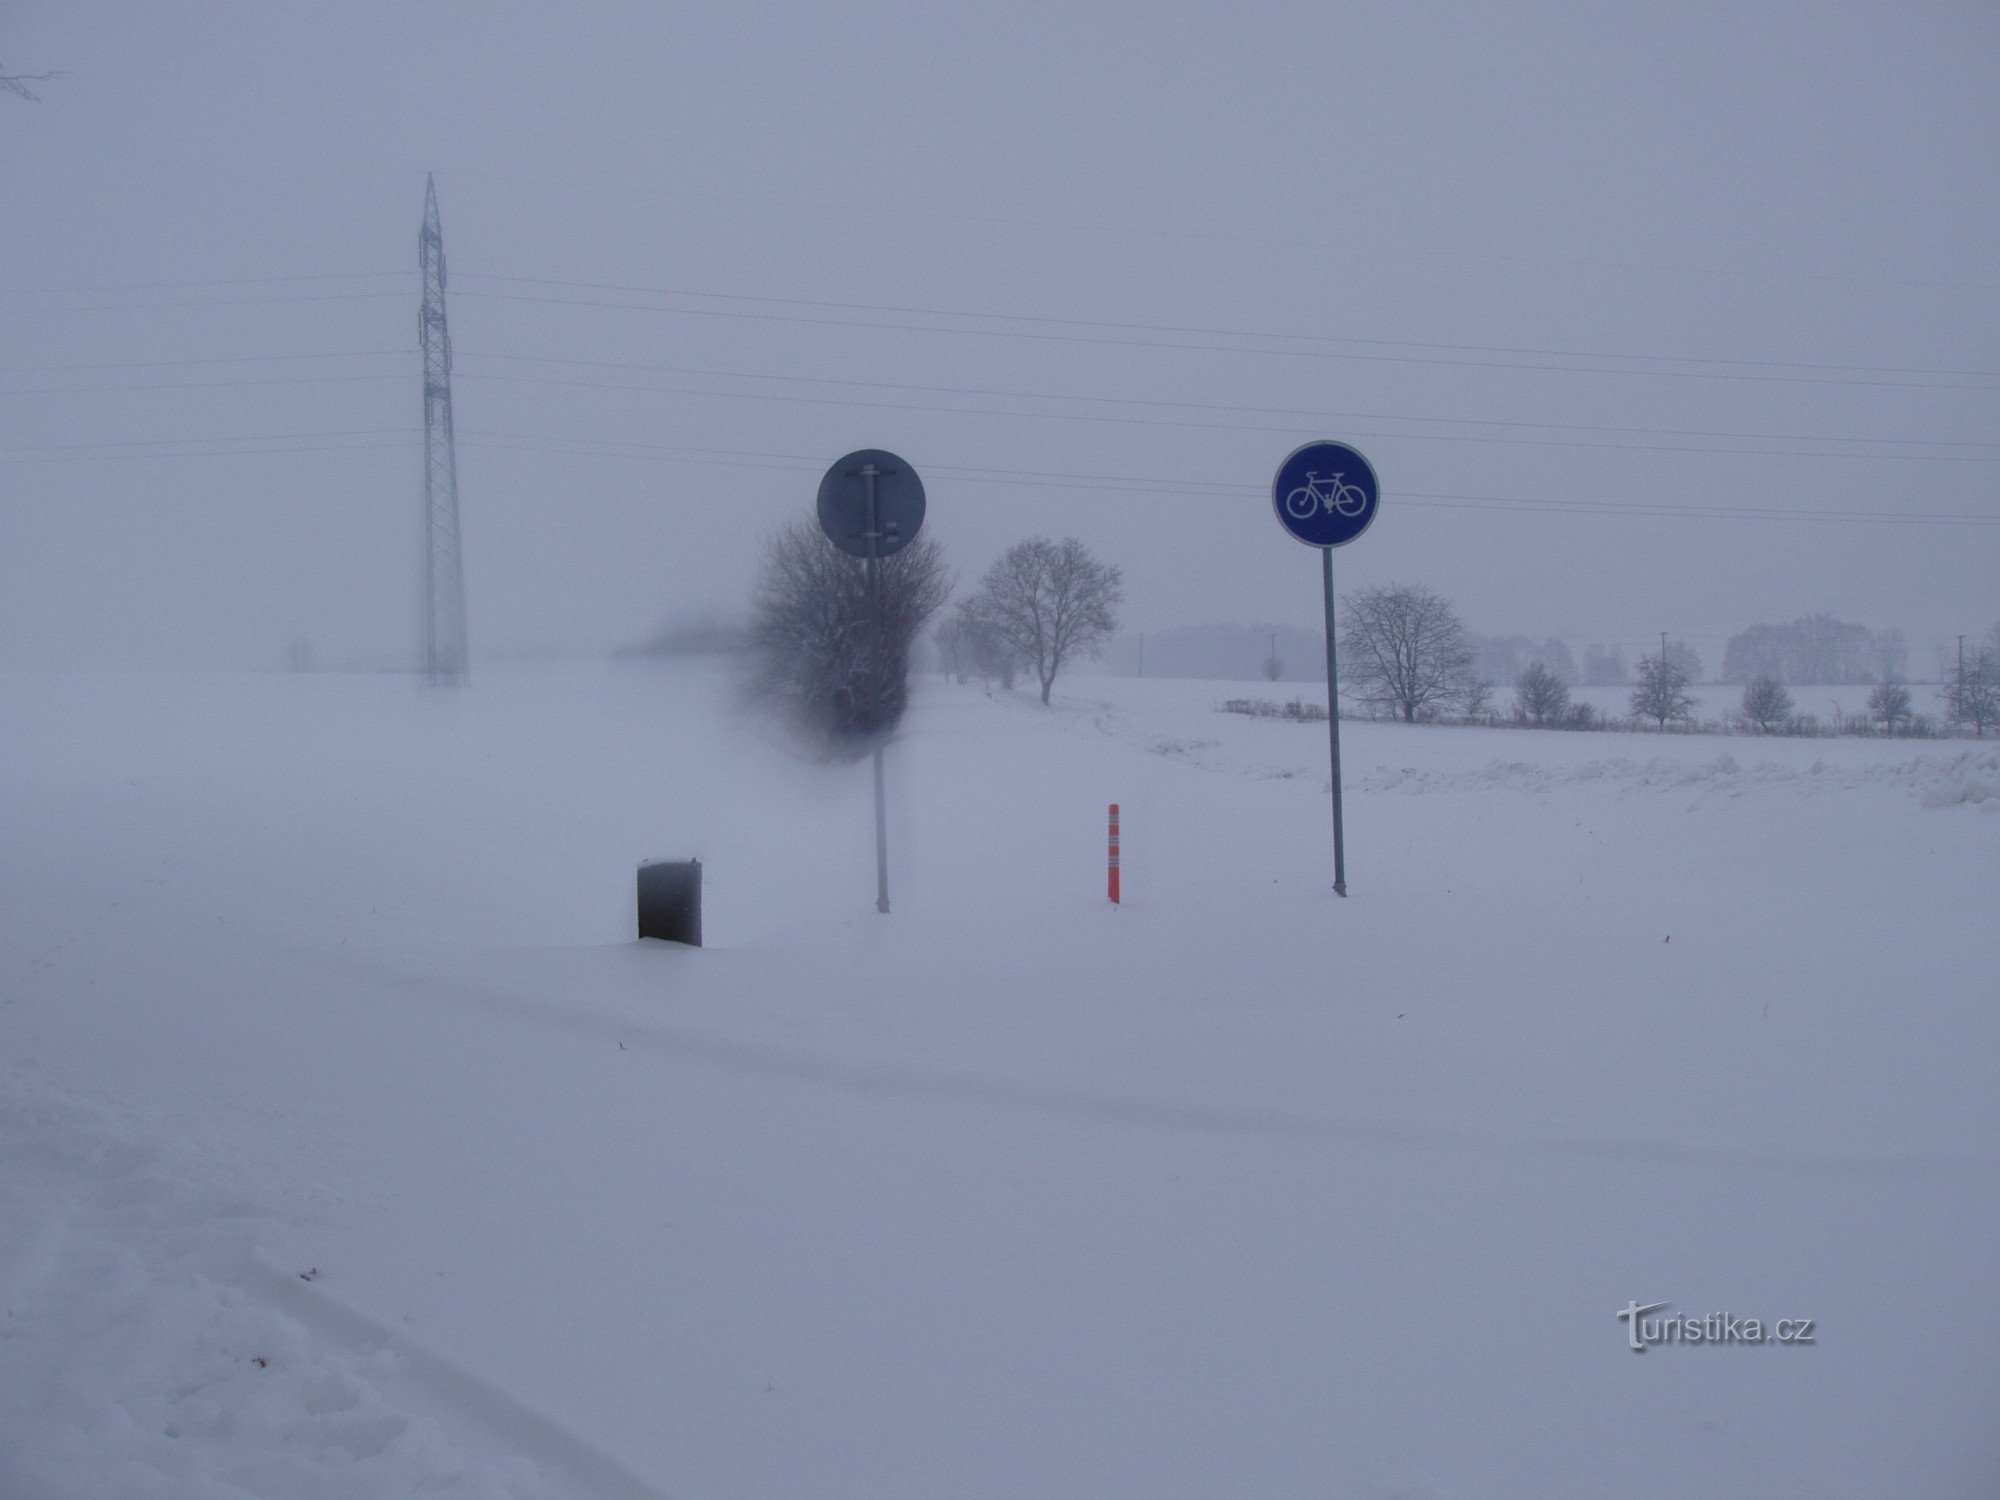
(694, 635)
(1285, 653)
(1816, 651)
(1813, 651)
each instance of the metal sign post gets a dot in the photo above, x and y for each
(1333, 725)
(869, 474)
(871, 506)
(1325, 495)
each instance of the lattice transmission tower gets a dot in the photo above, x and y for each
(446, 656)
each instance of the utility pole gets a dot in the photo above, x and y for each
(447, 660)
(1142, 653)
(1958, 697)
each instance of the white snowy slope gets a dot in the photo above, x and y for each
(349, 1147)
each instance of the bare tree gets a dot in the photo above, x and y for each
(1407, 650)
(1971, 688)
(1980, 700)
(817, 651)
(1766, 703)
(1892, 655)
(1684, 656)
(974, 648)
(1890, 703)
(1503, 658)
(1477, 700)
(1048, 602)
(953, 649)
(1662, 693)
(17, 84)
(993, 655)
(1540, 697)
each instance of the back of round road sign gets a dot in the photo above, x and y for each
(871, 506)
(1325, 494)
(871, 490)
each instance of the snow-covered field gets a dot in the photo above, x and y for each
(349, 1147)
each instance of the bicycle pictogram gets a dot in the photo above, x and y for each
(1334, 497)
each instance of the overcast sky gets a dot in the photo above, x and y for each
(1606, 292)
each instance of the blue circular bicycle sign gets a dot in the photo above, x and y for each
(1325, 494)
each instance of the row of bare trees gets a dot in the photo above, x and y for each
(1406, 654)
(1043, 604)
(1968, 698)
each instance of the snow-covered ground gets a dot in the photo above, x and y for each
(349, 1147)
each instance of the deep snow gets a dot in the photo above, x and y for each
(348, 1147)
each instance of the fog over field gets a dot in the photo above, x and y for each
(1635, 312)
(560, 938)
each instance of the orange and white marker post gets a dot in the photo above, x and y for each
(1112, 885)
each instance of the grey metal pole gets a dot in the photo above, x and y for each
(1333, 723)
(868, 474)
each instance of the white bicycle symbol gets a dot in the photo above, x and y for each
(1346, 499)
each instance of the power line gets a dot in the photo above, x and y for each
(1724, 435)
(242, 452)
(1012, 333)
(254, 437)
(1214, 332)
(218, 359)
(143, 286)
(1123, 485)
(213, 302)
(1186, 489)
(1311, 414)
(1141, 421)
(1155, 231)
(195, 385)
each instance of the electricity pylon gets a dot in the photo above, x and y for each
(446, 656)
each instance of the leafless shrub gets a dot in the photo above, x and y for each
(1766, 703)
(1889, 705)
(1662, 694)
(1540, 697)
(817, 654)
